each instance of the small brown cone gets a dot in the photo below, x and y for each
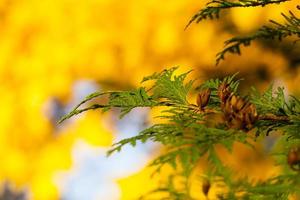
(203, 98)
(224, 92)
(206, 187)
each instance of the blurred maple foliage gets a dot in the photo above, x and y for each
(48, 45)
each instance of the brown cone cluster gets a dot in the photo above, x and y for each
(238, 112)
(293, 159)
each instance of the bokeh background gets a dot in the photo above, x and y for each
(54, 52)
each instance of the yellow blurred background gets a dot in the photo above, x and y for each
(53, 52)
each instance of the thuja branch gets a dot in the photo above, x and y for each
(274, 31)
(277, 31)
(214, 7)
(185, 131)
(217, 96)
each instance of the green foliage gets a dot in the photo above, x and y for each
(279, 187)
(126, 101)
(191, 133)
(269, 101)
(275, 103)
(171, 88)
(188, 136)
(275, 30)
(214, 7)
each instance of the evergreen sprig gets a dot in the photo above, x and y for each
(213, 8)
(172, 88)
(188, 135)
(277, 31)
(126, 101)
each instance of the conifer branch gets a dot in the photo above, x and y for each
(187, 136)
(277, 31)
(214, 7)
